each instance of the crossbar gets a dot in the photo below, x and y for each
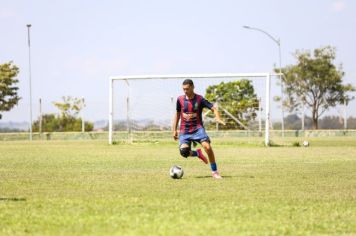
(191, 76)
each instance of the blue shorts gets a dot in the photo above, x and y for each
(198, 136)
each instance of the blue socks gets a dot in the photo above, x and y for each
(213, 166)
(194, 153)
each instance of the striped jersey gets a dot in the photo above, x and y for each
(191, 112)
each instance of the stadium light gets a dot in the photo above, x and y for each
(278, 42)
(29, 63)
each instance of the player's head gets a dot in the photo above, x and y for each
(188, 87)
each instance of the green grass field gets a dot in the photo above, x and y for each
(91, 188)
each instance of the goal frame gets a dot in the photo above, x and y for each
(266, 76)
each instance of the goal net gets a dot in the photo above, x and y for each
(141, 108)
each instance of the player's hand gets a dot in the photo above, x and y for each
(220, 121)
(175, 135)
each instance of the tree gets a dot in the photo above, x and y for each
(70, 106)
(315, 83)
(8, 90)
(55, 123)
(67, 120)
(238, 98)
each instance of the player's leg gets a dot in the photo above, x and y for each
(209, 150)
(185, 150)
(201, 156)
(201, 136)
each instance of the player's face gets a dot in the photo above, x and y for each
(188, 89)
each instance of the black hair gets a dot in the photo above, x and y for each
(188, 81)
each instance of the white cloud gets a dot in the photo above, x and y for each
(338, 6)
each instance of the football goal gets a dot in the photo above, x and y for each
(142, 107)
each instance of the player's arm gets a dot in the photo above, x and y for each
(217, 116)
(175, 125)
(207, 104)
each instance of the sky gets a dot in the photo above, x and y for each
(77, 45)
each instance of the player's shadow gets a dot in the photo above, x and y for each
(12, 199)
(226, 176)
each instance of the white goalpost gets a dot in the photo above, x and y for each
(127, 79)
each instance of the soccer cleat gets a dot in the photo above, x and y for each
(216, 175)
(201, 156)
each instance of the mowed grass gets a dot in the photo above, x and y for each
(91, 188)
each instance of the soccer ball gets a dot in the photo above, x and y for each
(305, 143)
(176, 172)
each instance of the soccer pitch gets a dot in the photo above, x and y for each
(91, 188)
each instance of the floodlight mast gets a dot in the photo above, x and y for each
(278, 42)
(267, 76)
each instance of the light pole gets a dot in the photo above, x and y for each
(278, 42)
(29, 63)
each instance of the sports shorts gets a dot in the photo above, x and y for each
(198, 136)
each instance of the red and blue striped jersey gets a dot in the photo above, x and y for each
(191, 112)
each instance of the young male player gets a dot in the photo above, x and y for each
(189, 111)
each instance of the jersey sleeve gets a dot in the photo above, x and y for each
(206, 103)
(178, 106)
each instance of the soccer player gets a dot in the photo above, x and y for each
(189, 111)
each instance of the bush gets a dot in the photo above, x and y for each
(53, 123)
